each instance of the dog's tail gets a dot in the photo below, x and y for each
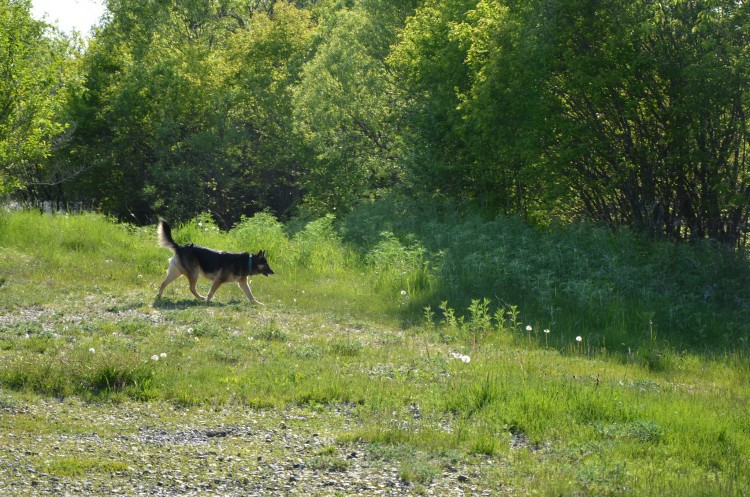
(165, 236)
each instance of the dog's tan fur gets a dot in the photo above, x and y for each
(219, 267)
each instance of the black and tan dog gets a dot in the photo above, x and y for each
(219, 267)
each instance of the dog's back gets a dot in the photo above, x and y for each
(230, 265)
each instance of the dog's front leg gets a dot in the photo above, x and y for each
(214, 286)
(246, 288)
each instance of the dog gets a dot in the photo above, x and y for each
(219, 267)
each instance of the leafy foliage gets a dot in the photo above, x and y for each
(626, 113)
(36, 77)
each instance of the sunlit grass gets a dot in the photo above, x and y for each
(424, 386)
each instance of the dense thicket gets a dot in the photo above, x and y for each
(626, 112)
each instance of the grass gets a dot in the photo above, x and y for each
(426, 389)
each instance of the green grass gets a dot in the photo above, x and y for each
(461, 382)
(68, 466)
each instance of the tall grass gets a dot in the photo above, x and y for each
(619, 290)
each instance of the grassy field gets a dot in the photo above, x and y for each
(448, 360)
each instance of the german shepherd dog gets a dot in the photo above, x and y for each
(219, 267)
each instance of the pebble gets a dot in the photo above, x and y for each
(145, 450)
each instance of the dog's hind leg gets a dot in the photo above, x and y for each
(246, 288)
(193, 281)
(172, 274)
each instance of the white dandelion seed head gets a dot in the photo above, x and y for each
(163, 355)
(528, 327)
(154, 357)
(403, 293)
(92, 350)
(466, 358)
(546, 330)
(579, 339)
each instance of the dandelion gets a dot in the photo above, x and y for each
(92, 350)
(154, 357)
(403, 293)
(189, 330)
(528, 327)
(546, 333)
(579, 339)
(163, 355)
(466, 358)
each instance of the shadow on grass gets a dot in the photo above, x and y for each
(185, 304)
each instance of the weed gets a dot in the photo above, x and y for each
(418, 471)
(346, 347)
(328, 459)
(272, 333)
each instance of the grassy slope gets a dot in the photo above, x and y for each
(564, 419)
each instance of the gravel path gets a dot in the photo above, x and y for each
(157, 450)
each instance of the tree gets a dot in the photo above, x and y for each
(189, 110)
(431, 75)
(36, 78)
(630, 113)
(648, 112)
(346, 108)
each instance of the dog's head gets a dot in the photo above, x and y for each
(260, 264)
